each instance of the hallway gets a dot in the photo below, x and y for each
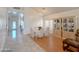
(22, 44)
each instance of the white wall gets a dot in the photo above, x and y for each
(3, 19)
(31, 19)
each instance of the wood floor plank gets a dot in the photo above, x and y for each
(51, 45)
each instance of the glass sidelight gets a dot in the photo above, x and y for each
(14, 30)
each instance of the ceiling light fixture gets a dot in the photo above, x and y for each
(43, 8)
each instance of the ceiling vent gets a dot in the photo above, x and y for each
(18, 8)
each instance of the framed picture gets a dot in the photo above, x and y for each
(65, 20)
(65, 24)
(71, 24)
(57, 24)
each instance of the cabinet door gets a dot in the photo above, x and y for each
(57, 27)
(69, 27)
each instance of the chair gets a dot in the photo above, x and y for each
(68, 42)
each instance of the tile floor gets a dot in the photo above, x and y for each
(23, 44)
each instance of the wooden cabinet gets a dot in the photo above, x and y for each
(65, 27)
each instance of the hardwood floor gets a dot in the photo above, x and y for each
(50, 44)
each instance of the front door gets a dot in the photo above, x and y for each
(13, 31)
(13, 26)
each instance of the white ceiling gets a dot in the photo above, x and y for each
(33, 11)
(52, 10)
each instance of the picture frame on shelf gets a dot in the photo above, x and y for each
(71, 24)
(65, 24)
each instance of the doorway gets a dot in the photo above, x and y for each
(15, 27)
